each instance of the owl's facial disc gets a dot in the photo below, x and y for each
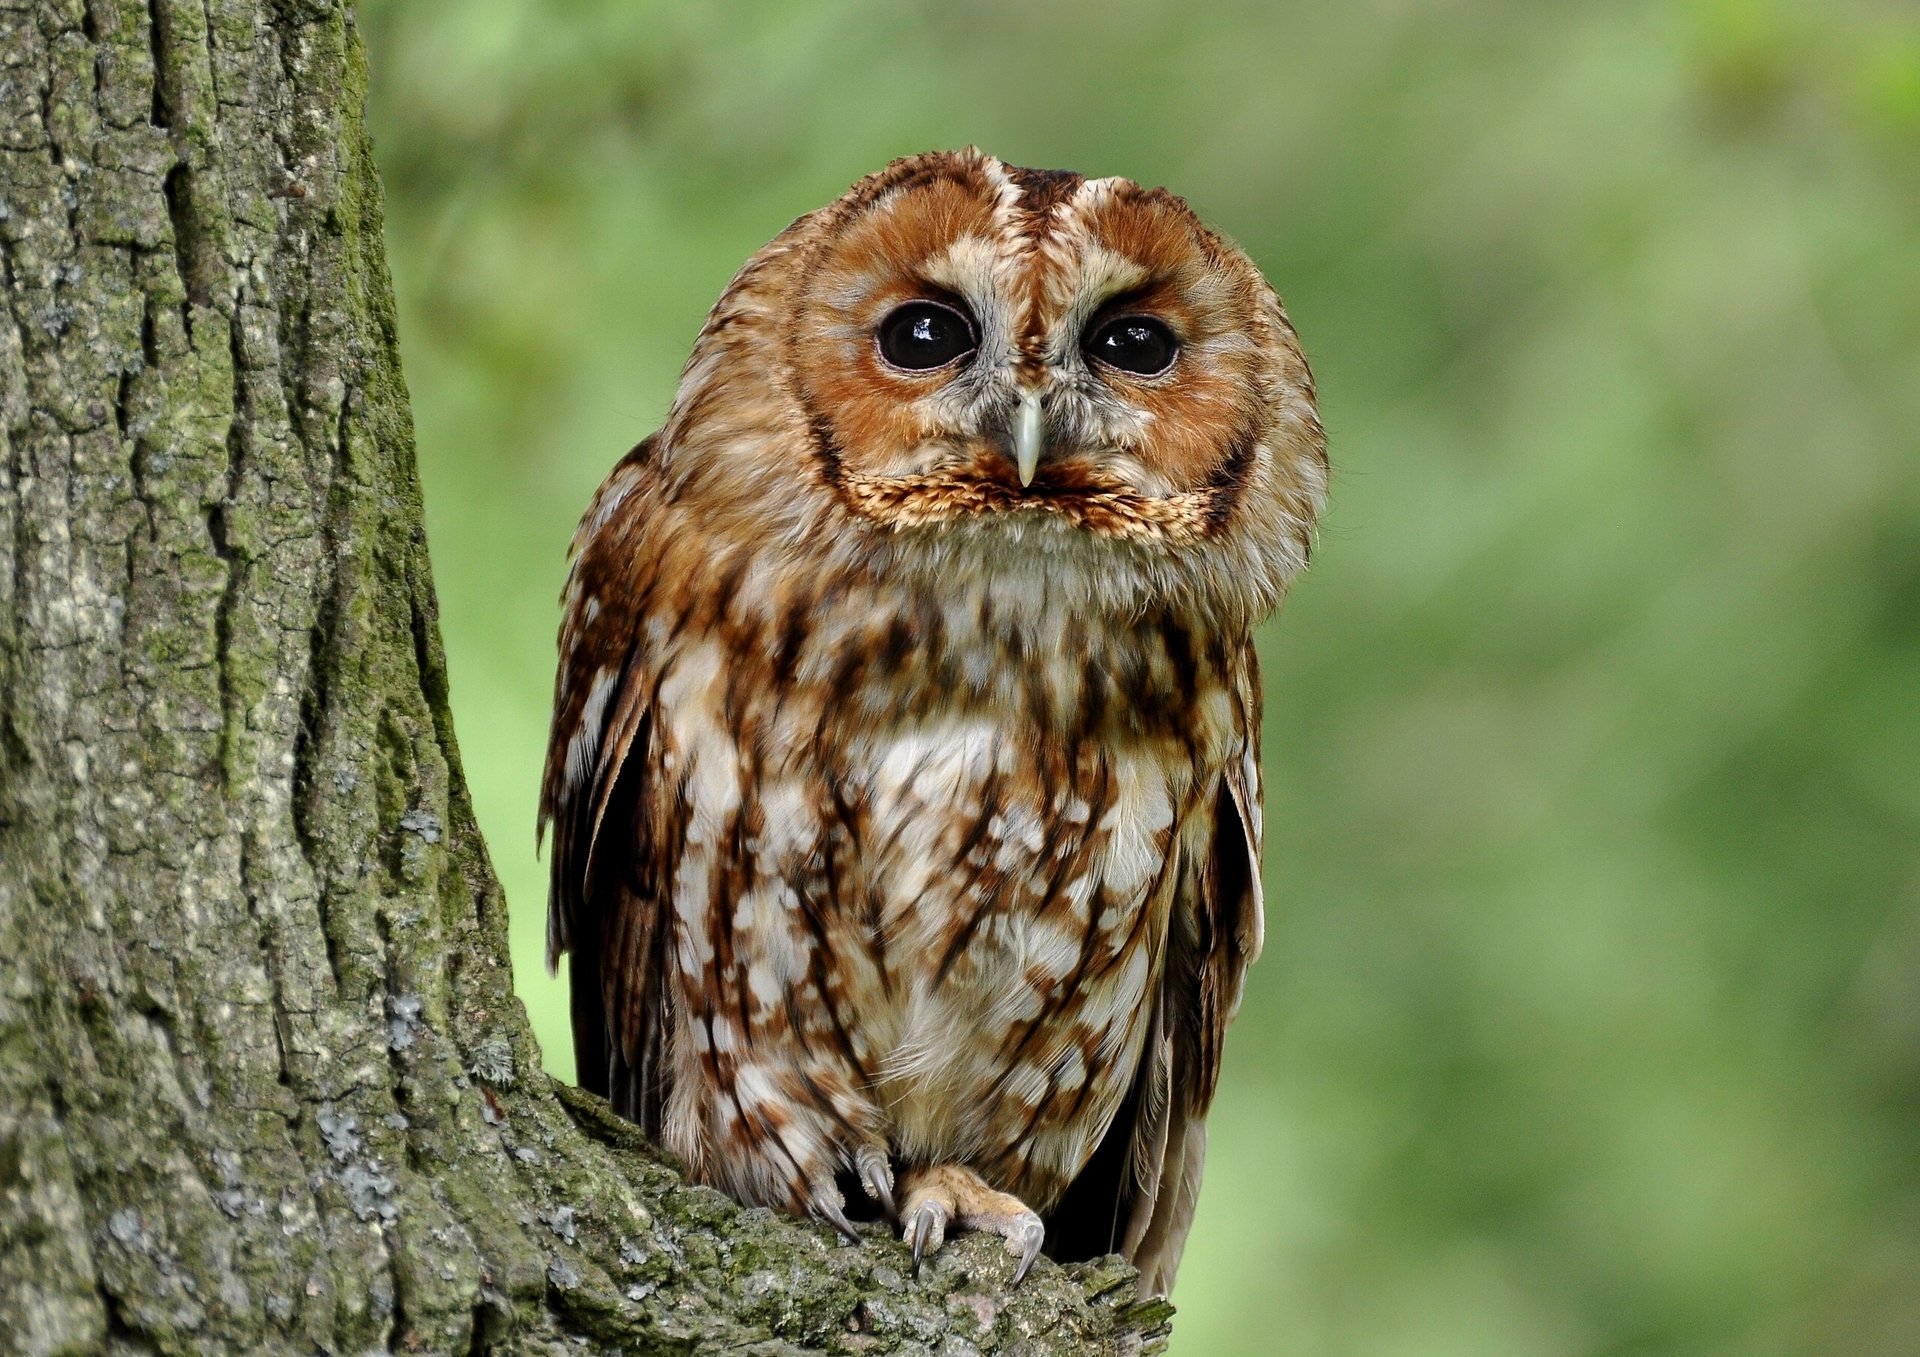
(977, 345)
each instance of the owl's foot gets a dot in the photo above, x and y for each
(939, 1194)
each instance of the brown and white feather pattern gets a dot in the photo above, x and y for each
(904, 810)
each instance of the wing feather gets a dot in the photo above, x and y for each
(1137, 1193)
(606, 909)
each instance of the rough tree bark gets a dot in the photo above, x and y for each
(264, 1086)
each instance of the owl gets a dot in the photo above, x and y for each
(904, 775)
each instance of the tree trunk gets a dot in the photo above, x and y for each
(264, 1086)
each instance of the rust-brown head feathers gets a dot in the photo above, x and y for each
(904, 767)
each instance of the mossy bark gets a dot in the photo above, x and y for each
(264, 1086)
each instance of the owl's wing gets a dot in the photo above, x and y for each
(605, 904)
(1137, 1194)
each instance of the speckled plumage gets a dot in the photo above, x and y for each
(907, 818)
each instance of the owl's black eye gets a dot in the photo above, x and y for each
(1138, 344)
(924, 335)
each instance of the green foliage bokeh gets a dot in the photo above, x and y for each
(1590, 1016)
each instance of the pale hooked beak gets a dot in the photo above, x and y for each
(1029, 436)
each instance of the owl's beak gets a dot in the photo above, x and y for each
(1029, 435)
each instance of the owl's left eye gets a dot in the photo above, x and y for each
(1137, 344)
(924, 335)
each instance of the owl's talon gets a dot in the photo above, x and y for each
(876, 1177)
(926, 1224)
(1025, 1239)
(827, 1206)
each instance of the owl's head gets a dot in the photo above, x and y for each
(976, 364)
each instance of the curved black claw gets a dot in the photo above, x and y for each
(830, 1211)
(923, 1228)
(1035, 1236)
(876, 1177)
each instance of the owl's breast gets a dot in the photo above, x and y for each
(1016, 900)
(938, 852)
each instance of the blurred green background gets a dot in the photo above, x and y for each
(1590, 1016)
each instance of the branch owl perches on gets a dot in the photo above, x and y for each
(904, 774)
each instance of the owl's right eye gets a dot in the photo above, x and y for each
(920, 336)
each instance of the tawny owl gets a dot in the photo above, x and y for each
(904, 773)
